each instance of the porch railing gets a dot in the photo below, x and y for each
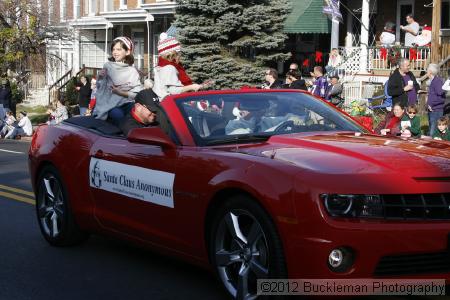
(59, 87)
(379, 58)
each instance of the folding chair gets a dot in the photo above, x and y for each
(380, 110)
(385, 103)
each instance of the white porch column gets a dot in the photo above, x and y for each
(334, 33)
(76, 51)
(349, 36)
(108, 25)
(364, 41)
(149, 19)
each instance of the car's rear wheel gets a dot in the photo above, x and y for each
(244, 247)
(53, 210)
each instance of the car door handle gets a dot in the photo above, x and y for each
(99, 154)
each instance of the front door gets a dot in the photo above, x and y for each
(404, 7)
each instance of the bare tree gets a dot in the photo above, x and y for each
(24, 31)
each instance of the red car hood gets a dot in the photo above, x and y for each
(345, 153)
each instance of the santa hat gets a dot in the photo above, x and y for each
(127, 41)
(427, 28)
(167, 44)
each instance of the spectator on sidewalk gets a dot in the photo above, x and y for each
(410, 123)
(436, 97)
(334, 62)
(402, 85)
(411, 30)
(294, 81)
(334, 91)
(93, 96)
(84, 94)
(8, 124)
(391, 124)
(446, 86)
(320, 84)
(271, 80)
(58, 115)
(293, 67)
(5, 95)
(23, 128)
(442, 133)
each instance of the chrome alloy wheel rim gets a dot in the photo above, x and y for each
(51, 206)
(241, 253)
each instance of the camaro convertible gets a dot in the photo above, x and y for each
(254, 185)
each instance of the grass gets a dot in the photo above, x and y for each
(37, 114)
(40, 109)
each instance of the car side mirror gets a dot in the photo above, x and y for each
(151, 136)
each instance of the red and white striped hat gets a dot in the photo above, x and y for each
(127, 41)
(167, 44)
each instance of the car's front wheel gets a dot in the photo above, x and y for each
(53, 211)
(245, 247)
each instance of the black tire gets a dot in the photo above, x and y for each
(256, 254)
(53, 211)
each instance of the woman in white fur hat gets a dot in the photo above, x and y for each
(170, 76)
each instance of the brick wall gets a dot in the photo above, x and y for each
(69, 9)
(55, 16)
(116, 4)
(132, 4)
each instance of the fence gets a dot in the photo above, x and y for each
(385, 58)
(360, 90)
(445, 53)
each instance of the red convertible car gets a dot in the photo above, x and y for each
(252, 184)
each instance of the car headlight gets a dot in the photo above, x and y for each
(353, 206)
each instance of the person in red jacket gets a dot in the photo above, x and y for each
(391, 124)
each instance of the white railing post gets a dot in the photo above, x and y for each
(365, 18)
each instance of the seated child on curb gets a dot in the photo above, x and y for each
(442, 133)
(410, 124)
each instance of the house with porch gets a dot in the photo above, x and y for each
(93, 23)
(365, 62)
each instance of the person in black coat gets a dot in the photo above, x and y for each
(271, 78)
(84, 94)
(402, 85)
(6, 94)
(294, 81)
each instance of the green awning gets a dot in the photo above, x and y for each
(307, 17)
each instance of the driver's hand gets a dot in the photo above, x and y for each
(297, 121)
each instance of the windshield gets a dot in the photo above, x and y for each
(239, 117)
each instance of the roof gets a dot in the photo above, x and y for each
(307, 17)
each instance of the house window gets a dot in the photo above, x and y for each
(92, 7)
(108, 5)
(63, 10)
(445, 18)
(93, 54)
(50, 11)
(123, 4)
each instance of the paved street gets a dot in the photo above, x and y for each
(98, 269)
(101, 268)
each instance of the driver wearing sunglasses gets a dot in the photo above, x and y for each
(143, 114)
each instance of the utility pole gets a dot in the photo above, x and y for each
(436, 30)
